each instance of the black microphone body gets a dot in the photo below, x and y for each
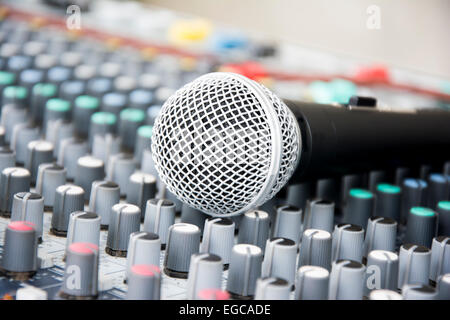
(338, 139)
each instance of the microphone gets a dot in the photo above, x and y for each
(225, 144)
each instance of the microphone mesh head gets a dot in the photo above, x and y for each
(225, 144)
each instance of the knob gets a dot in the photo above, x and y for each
(144, 282)
(438, 189)
(114, 102)
(7, 158)
(147, 164)
(348, 182)
(375, 178)
(382, 271)
(15, 95)
(388, 200)
(31, 293)
(19, 260)
(346, 280)
(194, 216)
(288, 223)
(105, 146)
(271, 288)
(84, 72)
(141, 99)
(443, 208)
(443, 286)
(70, 150)
(104, 194)
(89, 169)
(143, 248)
(359, 207)
(297, 194)
(326, 189)
(18, 63)
(120, 167)
(315, 249)
(12, 181)
(205, 272)
(414, 194)
(383, 294)
(84, 107)
(218, 238)
(414, 265)
(312, 283)
(182, 242)
(245, 269)
(29, 207)
(57, 131)
(279, 259)
(39, 151)
(159, 216)
(56, 109)
(50, 176)
(124, 220)
(419, 292)
(141, 187)
(81, 272)
(440, 257)
(10, 117)
(254, 228)
(401, 173)
(381, 235)
(348, 242)
(84, 226)
(98, 86)
(71, 89)
(102, 123)
(68, 198)
(22, 134)
(58, 74)
(144, 135)
(319, 215)
(152, 113)
(130, 121)
(421, 226)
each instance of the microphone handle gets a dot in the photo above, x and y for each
(339, 140)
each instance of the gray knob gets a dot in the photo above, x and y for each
(315, 249)
(124, 83)
(10, 117)
(346, 280)
(29, 207)
(129, 122)
(71, 89)
(89, 169)
(170, 196)
(141, 187)
(297, 194)
(382, 271)
(401, 173)
(114, 102)
(414, 265)
(141, 99)
(70, 150)
(143, 248)
(57, 131)
(359, 207)
(326, 189)
(348, 242)
(56, 109)
(39, 151)
(50, 176)
(147, 164)
(120, 167)
(388, 201)
(414, 194)
(381, 235)
(383, 294)
(288, 223)
(104, 194)
(12, 181)
(81, 272)
(205, 272)
(312, 283)
(440, 257)
(84, 72)
(193, 216)
(254, 228)
(182, 242)
(102, 123)
(144, 282)
(245, 269)
(348, 182)
(68, 198)
(23, 133)
(319, 215)
(105, 146)
(218, 238)
(421, 226)
(419, 292)
(443, 286)
(124, 220)
(271, 288)
(15, 95)
(143, 142)
(159, 216)
(19, 260)
(443, 208)
(279, 259)
(7, 158)
(84, 226)
(438, 189)
(376, 177)
(84, 107)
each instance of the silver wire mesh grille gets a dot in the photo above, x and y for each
(212, 144)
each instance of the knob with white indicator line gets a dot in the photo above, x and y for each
(359, 207)
(443, 286)
(120, 167)
(38, 152)
(346, 280)
(104, 194)
(159, 216)
(182, 242)
(348, 242)
(143, 248)
(193, 216)
(440, 257)
(68, 198)
(218, 238)
(29, 207)
(104, 147)
(382, 271)
(84, 226)
(7, 158)
(89, 169)
(272, 288)
(50, 176)
(381, 235)
(315, 249)
(144, 282)
(319, 215)
(12, 181)
(205, 272)
(80, 280)
(70, 150)
(414, 265)
(245, 269)
(312, 283)
(254, 228)
(288, 223)
(141, 187)
(279, 259)
(22, 135)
